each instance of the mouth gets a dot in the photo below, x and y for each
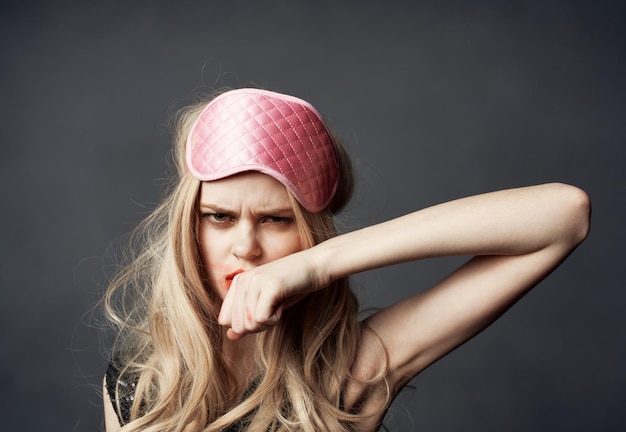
(231, 276)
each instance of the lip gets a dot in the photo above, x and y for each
(229, 277)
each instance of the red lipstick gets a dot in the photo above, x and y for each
(231, 276)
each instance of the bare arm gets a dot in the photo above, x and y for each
(517, 236)
(510, 222)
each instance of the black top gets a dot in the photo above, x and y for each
(126, 390)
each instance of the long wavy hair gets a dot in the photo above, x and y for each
(165, 314)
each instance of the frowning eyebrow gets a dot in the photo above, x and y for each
(214, 207)
(269, 210)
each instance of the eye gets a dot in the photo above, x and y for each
(278, 220)
(217, 218)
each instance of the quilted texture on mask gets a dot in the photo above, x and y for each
(258, 130)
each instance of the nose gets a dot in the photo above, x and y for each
(246, 244)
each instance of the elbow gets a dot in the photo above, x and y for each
(576, 207)
(582, 214)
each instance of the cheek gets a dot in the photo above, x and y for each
(285, 246)
(217, 267)
(210, 258)
(211, 247)
(214, 271)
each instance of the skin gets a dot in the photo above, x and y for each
(239, 230)
(516, 237)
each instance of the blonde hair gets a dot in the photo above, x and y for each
(170, 339)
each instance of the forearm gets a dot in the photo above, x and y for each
(510, 222)
(549, 220)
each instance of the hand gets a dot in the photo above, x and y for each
(257, 298)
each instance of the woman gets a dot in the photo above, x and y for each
(236, 313)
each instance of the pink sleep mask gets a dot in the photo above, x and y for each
(276, 134)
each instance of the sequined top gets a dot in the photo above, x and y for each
(126, 387)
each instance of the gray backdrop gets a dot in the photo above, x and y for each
(435, 99)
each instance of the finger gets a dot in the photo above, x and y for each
(252, 299)
(234, 336)
(238, 306)
(278, 313)
(267, 307)
(230, 334)
(229, 303)
(228, 310)
(225, 316)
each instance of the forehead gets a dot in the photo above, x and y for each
(245, 189)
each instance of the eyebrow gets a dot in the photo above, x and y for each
(214, 207)
(263, 210)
